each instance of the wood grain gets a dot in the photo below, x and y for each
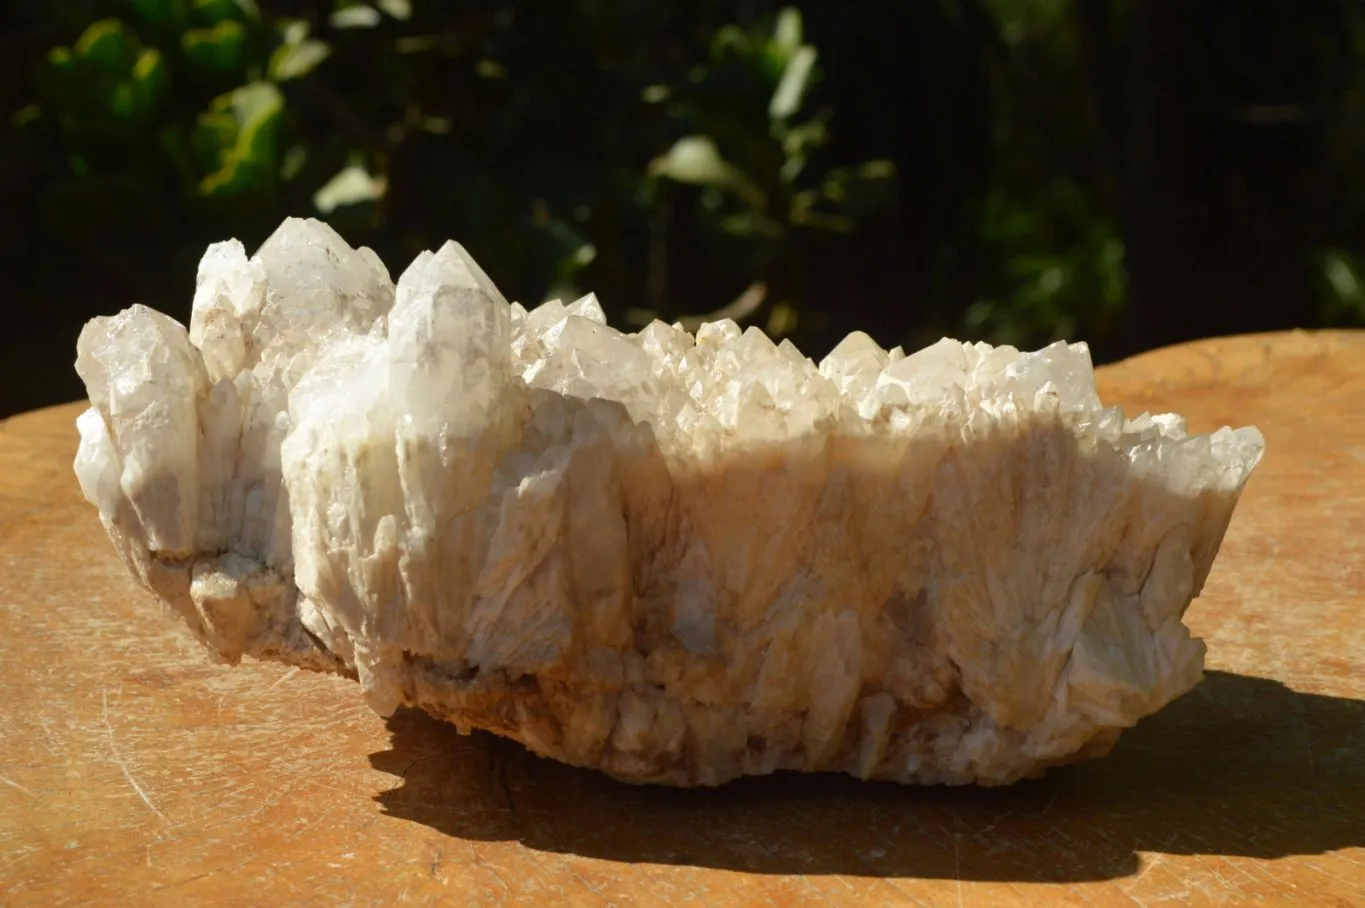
(133, 771)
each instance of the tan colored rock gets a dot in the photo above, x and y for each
(675, 559)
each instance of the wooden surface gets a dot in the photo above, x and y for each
(133, 771)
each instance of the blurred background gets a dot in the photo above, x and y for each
(1131, 173)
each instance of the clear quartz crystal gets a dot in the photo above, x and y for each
(673, 558)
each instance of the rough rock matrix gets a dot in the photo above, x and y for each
(671, 558)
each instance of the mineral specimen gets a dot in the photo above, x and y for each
(674, 559)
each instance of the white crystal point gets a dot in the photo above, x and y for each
(144, 379)
(854, 364)
(228, 298)
(449, 342)
(672, 558)
(318, 285)
(587, 307)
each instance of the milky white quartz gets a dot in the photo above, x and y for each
(675, 559)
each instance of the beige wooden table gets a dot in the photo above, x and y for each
(133, 771)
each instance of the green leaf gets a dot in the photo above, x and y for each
(352, 186)
(158, 12)
(359, 16)
(832, 223)
(864, 190)
(218, 50)
(150, 81)
(60, 58)
(121, 102)
(695, 160)
(398, 9)
(792, 87)
(213, 12)
(1345, 289)
(56, 78)
(252, 115)
(751, 223)
(26, 115)
(804, 137)
(106, 84)
(787, 35)
(293, 61)
(416, 44)
(108, 46)
(293, 31)
(490, 69)
(729, 39)
(294, 160)
(215, 131)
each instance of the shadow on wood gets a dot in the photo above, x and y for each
(1240, 766)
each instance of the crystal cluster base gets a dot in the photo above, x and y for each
(674, 559)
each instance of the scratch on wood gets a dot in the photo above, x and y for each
(254, 855)
(123, 764)
(767, 900)
(311, 823)
(957, 873)
(15, 785)
(436, 864)
(47, 736)
(491, 869)
(9, 864)
(805, 880)
(583, 881)
(1228, 884)
(1358, 888)
(995, 822)
(283, 678)
(1268, 869)
(900, 890)
(1147, 868)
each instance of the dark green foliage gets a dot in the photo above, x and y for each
(914, 169)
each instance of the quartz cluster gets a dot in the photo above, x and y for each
(674, 559)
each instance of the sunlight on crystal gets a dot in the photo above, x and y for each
(675, 558)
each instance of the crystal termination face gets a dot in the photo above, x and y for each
(674, 559)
